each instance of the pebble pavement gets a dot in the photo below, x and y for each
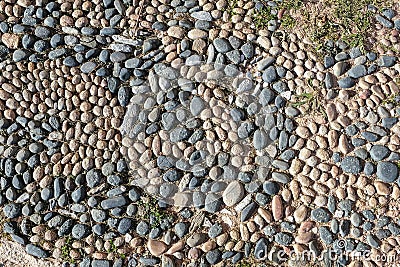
(176, 133)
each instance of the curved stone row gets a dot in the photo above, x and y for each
(250, 142)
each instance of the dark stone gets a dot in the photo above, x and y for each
(88, 67)
(46, 194)
(383, 233)
(387, 171)
(386, 61)
(66, 227)
(214, 256)
(283, 239)
(98, 215)
(389, 122)
(115, 202)
(358, 142)
(101, 263)
(341, 56)
(355, 52)
(382, 221)
(12, 210)
(133, 63)
(328, 61)
(80, 231)
(109, 31)
(326, 235)
(261, 248)
(124, 225)
(344, 228)
(221, 45)
(142, 228)
(388, 13)
(247, 50)
(248, 211)
(36, 251)
(329, 82)
(181, 229)
(397, 24)
(118, 56)
(369, 215)
(134, 194)
(179, 134)
(124, 96)
(346, 205)
(171, 176)
(270, 74)
(357, 71)
(320, 215)
(280, 87)
(346, 82)
(266, 96)
(394, 229)
(70, 62)
(271, 188)
(78, 194)
(379, 152)
(213, 203)
(384, 21)
(19, 239)
(93, 178)
(351, 164)
(20, 55)
(373, 241)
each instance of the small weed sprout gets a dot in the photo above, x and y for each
(66, 249)
(232, 4)
(262, 17)
(152, 211)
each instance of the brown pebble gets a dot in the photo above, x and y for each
(277, 208)
(10, 40)
(304, 238)
(176, 247)
(156, 248)
(194, 253)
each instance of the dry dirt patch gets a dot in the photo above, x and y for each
(14, 255)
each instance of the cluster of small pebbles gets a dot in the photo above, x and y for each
(177, 133)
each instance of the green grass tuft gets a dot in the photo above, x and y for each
(66, 249)
(232, 4)
(152, 211)
(262, 17)
(349, 21)
(288, 22)
(302, 99)
(291, 4)
(113, 249)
